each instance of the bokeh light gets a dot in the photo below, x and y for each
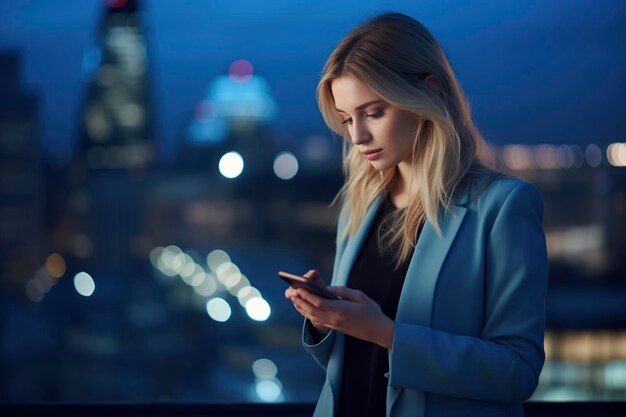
(217, 257)
(241, 71)
(269, 390)
(285, 166)
(517, 157)
(218, 309)
(55, 265)
(546, 156)
(593, 155)
(225, 270)
(616, 154)
(246, 294)
(231, 165)
(34, 292)
(207, 287)
(84, 284)
(258, 309)
(117, 4)
(264, 368)
(565, 156)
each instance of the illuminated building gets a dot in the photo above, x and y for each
(233, 115)
(117, 131)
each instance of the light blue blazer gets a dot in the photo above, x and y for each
(470, 322)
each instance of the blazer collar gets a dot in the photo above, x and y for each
(428, 256)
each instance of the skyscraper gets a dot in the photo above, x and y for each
(116, 122)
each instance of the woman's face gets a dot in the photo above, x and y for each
(382, 132)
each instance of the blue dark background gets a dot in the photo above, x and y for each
(537, 73)
(548, 71)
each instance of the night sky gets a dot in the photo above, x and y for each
(535, 71)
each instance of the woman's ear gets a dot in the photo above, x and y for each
(432, 80)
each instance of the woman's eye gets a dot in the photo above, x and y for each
(346, 122)
(375, 115)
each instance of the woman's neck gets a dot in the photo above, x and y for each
(400, 192)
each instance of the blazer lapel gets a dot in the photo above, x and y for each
(353, 247)
(416, 298)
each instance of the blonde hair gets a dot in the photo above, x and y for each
(393, 54)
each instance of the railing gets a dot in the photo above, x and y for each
(531, 409)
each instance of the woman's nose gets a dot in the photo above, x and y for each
(359, 134)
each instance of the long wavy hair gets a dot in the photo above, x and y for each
(400, 60)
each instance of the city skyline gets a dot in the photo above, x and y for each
(529, 71)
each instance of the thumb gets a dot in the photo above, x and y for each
(345, 292)
(312, 274)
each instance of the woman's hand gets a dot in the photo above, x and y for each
(355, 314)
(292, 295)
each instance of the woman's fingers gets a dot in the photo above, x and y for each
(346, 293)
(315, 300)
(312, 274)
(308, 310)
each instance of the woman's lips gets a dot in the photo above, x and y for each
(373, 154)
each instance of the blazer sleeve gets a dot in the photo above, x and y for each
(504, 363)
(321, 349)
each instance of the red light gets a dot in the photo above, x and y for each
(116, 4)
(240, 71)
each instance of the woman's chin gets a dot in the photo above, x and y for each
(381, 165)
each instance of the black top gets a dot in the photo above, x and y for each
(363, 384)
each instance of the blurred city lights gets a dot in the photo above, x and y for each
(194, 274)
(247, 293)
(593, 155)
(615, 375)
(218, 309)
(232, 280)
(197, 279)
(565, 156)
(207, 287)
(264, 368)
(546, 156)
(616, 154)
(525, 157)
(258, 309)
(84, 284)
(55, 265)
(224, 270)
(45, 278)
(178, 261)
(242, 282)
(155, 254)
(240, 71)
(116, 4)
(517, 157)
(130, 114)
(172, 261)
(34, 292)
(231, 165)
(188, 266)
(285, 166)
(216, 257)
(269, 390)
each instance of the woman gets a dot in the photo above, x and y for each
(440, 262)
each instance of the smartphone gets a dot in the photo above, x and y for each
(298, 281)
